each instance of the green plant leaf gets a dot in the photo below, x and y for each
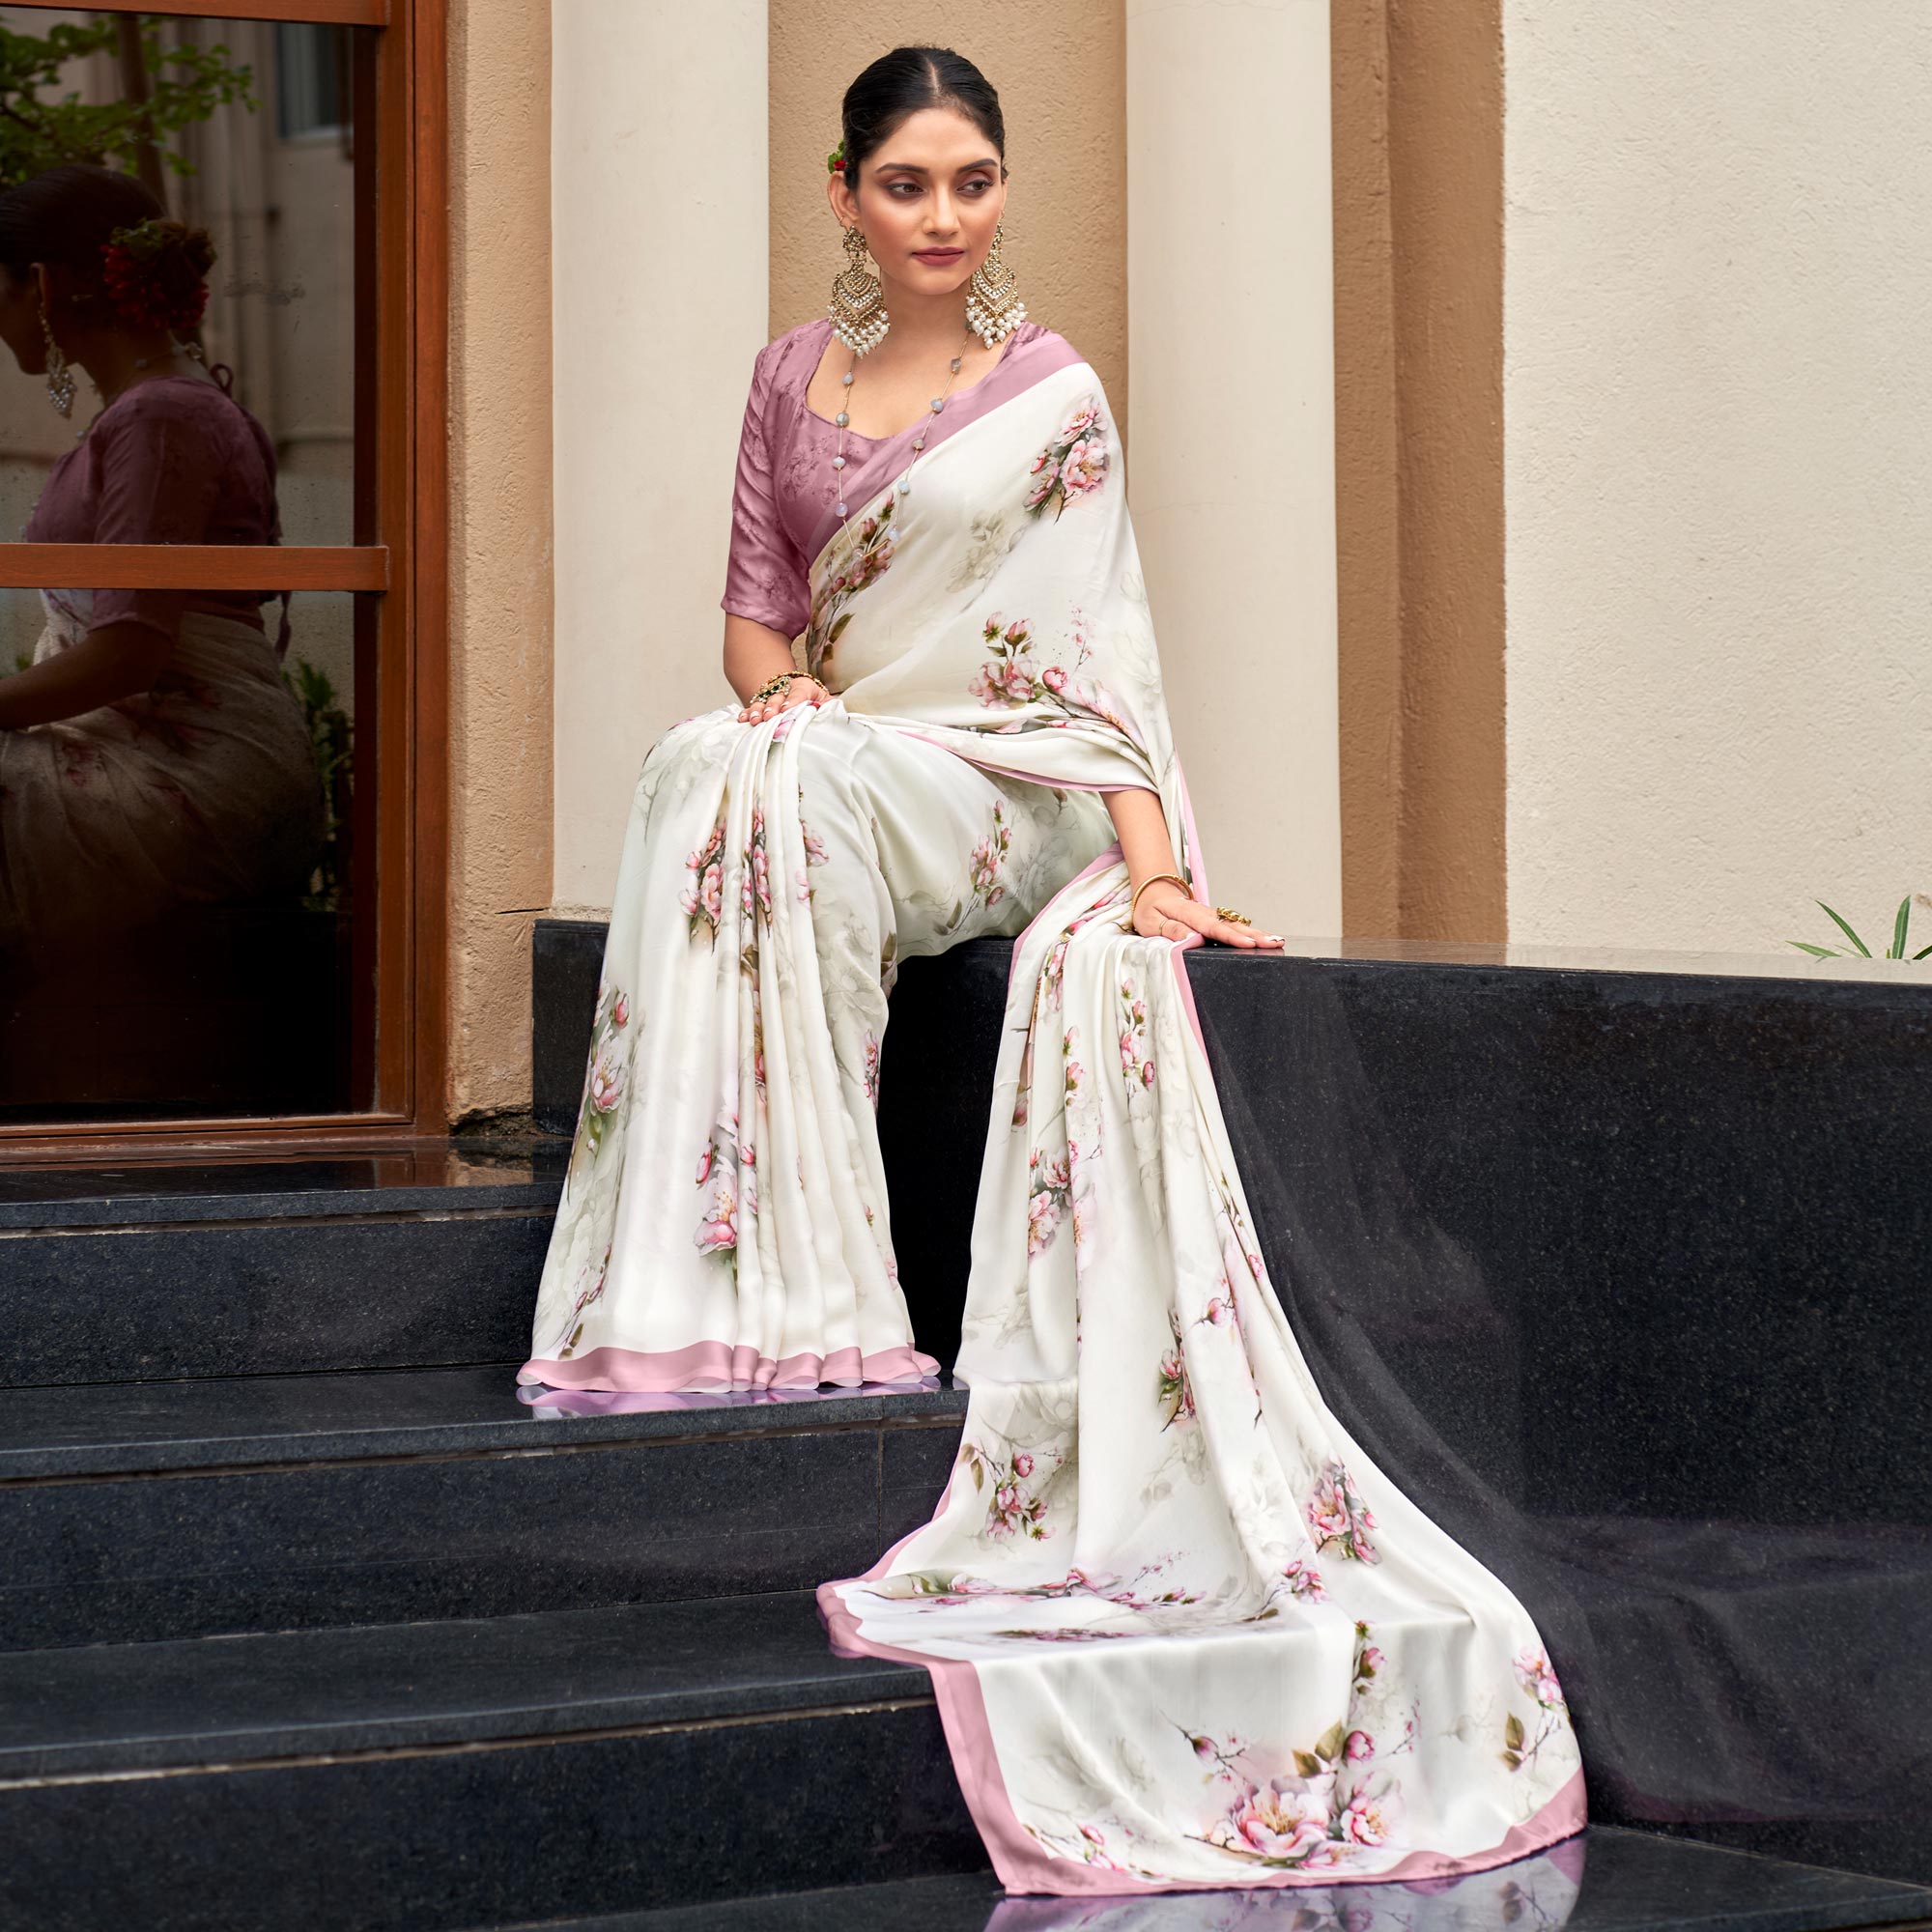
(1922, 951)
(1898, 928)
(1816, 951)
(1513, 1732)
(1865, 950)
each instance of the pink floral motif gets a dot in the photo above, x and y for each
(1534, 1673)
(830, 611)
(1136, 1064)
(1368, 1815)
(988, 856)
(1304, 1582)
(729, 1170)
(1276, 1824)
(1014, 1509)
(605, 1080)
(1050, 1196)
(1359, 1745)
(1176, 1390)
(1338, 1515)
(1008, 677)
(703, 898)
(1072, 464)
(871, 1073)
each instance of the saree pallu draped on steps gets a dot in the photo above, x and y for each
(1183, 1632)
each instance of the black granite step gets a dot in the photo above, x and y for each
(452, 1773)
(396, 1260)
(1617, 1263)
(1629, 1882)
(158, 1510)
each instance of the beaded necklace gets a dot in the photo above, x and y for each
(844, 418)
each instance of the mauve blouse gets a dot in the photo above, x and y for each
(782, 500)
(173, 460)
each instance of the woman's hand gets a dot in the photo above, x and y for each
(804, 688)
(1167, 911)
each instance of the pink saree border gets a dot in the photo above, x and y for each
(1022, 1865)
(661, 1371)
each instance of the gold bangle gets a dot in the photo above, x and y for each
(1133, 905)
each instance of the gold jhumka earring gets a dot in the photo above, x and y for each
(993, 305)
(61, 385)
(857, 308)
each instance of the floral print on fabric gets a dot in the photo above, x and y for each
(1156, 1532)
(1072, 463)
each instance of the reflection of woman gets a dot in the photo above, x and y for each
(1309, 1682)
(151, 756)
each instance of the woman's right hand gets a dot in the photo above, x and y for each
(804, 688)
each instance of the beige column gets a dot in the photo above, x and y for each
(1232, 477)
(661, 268)
(499, 541)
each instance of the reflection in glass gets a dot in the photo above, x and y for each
(185, 901)
(1533, 1894)
(241, 127)
(186, 850)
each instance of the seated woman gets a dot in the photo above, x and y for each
(151, 756)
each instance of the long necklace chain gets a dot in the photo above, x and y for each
(844, 418)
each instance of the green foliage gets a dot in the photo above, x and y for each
(333, 735)
(1902, 924)
(186, 85)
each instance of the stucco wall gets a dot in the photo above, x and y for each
(1233, 472)
(500, 539)
(661, 280)
(1061, 74)
(1718, 430)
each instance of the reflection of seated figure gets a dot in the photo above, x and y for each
(151, 756)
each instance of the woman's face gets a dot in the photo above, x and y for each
(929, 199)
(20, 318)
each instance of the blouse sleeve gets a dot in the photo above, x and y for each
(158, 475)
(765, 576)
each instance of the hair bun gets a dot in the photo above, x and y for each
(156, 273)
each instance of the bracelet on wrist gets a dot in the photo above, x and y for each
(1153, 879)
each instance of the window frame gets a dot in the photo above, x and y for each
(402, 498)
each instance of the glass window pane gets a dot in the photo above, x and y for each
(241, 128)
(187, 875)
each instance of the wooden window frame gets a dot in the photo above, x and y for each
(406, 565)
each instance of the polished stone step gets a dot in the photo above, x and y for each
(1606, 1881)
(140, 1512)
(452, 1773)
(396, 1260)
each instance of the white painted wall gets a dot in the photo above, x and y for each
(1718, 413)
(1230, 310)
(660, 289)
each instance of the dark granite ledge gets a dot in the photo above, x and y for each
(1631, 1881)
(435, 1178)
(217, 1701)
(138, 1429)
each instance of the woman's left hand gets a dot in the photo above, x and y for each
(1167, 911)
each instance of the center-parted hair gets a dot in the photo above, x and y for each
(897, 85)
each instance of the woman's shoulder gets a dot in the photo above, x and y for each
(784, 364)
(178, 401)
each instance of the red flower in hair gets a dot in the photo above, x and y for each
(148, 279)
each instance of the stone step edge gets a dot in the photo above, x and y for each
(142, 1458)
(822, 1687)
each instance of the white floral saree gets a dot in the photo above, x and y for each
(1183, 1633)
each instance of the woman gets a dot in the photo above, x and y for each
(151, 756)
(1308, 1682)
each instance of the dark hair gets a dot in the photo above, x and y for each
(66, 219)
(897, 85)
